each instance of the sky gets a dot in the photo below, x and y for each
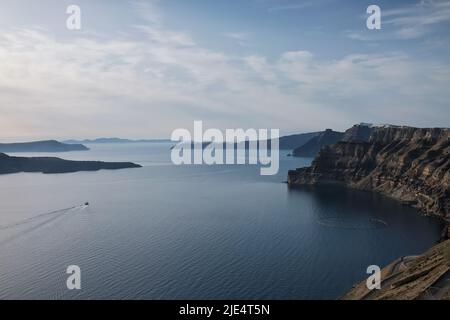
(141, 69)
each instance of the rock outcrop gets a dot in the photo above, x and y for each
(359, 132)
(55, 165)
(408, 164)
(313, 146)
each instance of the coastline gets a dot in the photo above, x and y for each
(52, 165)
(409, 165)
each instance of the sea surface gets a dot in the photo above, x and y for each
(193, 232)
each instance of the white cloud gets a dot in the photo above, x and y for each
(241, 36)
(148, 83)
(416, 20)
(411, 21)
(306, 4)
(261, 68)
(162, 36)
(149, 11)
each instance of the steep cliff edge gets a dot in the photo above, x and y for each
(408, 164)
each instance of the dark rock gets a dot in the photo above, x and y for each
(445, 233)
(313, 146)
(297, 140)
(55, 165)
(359, 132)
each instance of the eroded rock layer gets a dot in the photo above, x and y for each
(409, 164)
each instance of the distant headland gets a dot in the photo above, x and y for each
(41, 146)
(10, 164)
(113, 140)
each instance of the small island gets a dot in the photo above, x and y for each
(41, 146)
(9, 164)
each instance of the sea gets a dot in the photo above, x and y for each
(193, 231)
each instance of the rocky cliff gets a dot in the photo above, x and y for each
(409, 164)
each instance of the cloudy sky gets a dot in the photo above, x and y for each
(140, 69)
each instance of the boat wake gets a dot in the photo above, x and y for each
(343, 223)
(41, 216)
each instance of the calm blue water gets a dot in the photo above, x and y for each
(194, 232)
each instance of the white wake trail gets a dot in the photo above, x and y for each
(40, 216)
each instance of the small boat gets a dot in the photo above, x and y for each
(86, 203)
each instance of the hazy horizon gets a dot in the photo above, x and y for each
(81, 138)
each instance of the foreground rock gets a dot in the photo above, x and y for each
(41, 146)
(426, 277)
(408, 164)
(56, 165)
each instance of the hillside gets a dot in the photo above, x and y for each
(296, 140)
(313, 146)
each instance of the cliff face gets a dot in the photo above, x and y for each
(409, 164)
